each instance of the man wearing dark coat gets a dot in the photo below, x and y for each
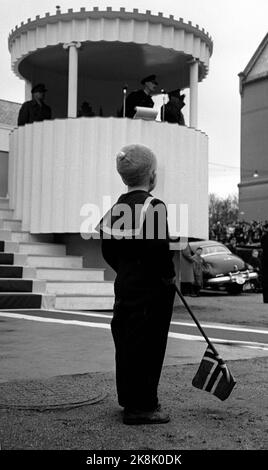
(36, 109)
(144, 286)
(186, 270)
(199, 266)
(256, 263)
(141, 97)
(264, 260)
(171, 112)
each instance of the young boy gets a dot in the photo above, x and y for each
(144, 285)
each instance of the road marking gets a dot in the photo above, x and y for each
(223, 327)
(255, 344)
(55, 320)
(106, 326)
(77, 312)
(70, 312)
(217, 326)
(182, 323)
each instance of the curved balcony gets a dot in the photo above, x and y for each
(58, 166)
(91, 55)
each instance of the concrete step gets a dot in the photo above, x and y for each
(14, 271)
(21, 237)
(4, 202)
(70, 274)
(32, 248)
(10, 224)
(11, 271)
(27, 237)
(84, 302)
(22, 285)
(5, 234)
(101, 288)
(50, 261)
(29, 273)
(48, 301)
(6, 213)
(13, 258)
(21, 300)
(9, 247)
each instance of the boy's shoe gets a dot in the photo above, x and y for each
(145, 417)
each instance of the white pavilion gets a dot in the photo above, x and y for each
(57, 167)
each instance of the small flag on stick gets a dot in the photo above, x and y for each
(213, 376)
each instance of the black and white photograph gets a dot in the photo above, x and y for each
(133, 232)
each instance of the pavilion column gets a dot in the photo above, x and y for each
(28, 90)
(193, 93)
(72, 77)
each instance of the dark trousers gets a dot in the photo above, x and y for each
(187, 288)
(196, 289)
(140, 336)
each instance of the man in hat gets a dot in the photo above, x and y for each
(171, 112)
(144, 286)
(141, 97)
(199, 267)
(264, 261)
(36, 109)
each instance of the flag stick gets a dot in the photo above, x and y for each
(196, 321)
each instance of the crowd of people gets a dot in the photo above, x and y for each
(252, 235)
(244, 233)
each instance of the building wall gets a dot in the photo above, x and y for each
(4, 137)
(253, 192)
(254, 135)
(4, 148)
(8, 113)
(253, 200)
(3, 173)
(8, 119)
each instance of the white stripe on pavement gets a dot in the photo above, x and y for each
(70, 312)
(223, 327)
(55, 320)
(218, 326)
(106, 326)
(263, 346)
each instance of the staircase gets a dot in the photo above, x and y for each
(37, 273)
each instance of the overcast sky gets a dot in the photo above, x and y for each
(237, 27)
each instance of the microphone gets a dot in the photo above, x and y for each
(164, 104)
(125, 87)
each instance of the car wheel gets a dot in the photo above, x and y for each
(234, 289)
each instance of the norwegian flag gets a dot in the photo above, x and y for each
(213, 376)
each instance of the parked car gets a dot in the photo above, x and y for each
(225, 270)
